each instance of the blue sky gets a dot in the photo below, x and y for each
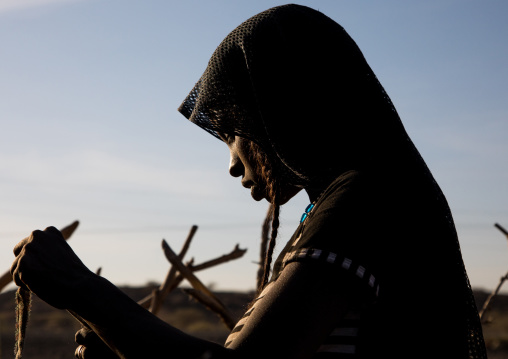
(90, 131)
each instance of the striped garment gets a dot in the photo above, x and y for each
(342, 341)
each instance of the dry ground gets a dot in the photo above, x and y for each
(50, 333)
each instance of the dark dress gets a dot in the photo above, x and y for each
(394, 251)
(294, 82)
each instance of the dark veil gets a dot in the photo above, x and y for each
(293, 81)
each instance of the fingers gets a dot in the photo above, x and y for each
(16, 276)
(14, 266)
(35, 234)
(54, 231)
(47, 265)
(88, 338)
(80, 352)
(20, 245)
(92, 347)
(18, 251)
(14, 270)
(83, 352)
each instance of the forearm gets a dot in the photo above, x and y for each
(132, 331)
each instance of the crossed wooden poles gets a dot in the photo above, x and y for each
(501, 282)
(177, 273)
(180, 271)
(186, 271)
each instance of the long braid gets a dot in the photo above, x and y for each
(265, 237)
(266, 172)
(271, 246)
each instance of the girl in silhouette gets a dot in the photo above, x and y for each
(373, 270)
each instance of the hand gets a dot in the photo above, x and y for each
(91, 346)
(46, 265)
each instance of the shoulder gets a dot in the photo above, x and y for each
(344, 220)
(348, 198)
(341, 221)
(332, 238)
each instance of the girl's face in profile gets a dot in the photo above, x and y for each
(242, 164)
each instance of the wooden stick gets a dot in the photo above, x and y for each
(159, 295)
(498, 226)
(501, 281)
(211, 304)
(146, 302)
(187, 242)
(492, 295)
(186, 272)
(216, 304)
(67, 232)
(234, 254)
(5, 279)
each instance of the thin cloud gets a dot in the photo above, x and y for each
(90, 168)
(9, 5)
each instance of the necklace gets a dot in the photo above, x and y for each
(309, 208)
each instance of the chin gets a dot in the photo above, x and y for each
(288, 194)
(284, 200)
(256, 194)
(285, 197)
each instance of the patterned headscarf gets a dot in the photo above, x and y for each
(293, 81)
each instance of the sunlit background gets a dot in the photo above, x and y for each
(89, 92)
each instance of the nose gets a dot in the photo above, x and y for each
(236, 168)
